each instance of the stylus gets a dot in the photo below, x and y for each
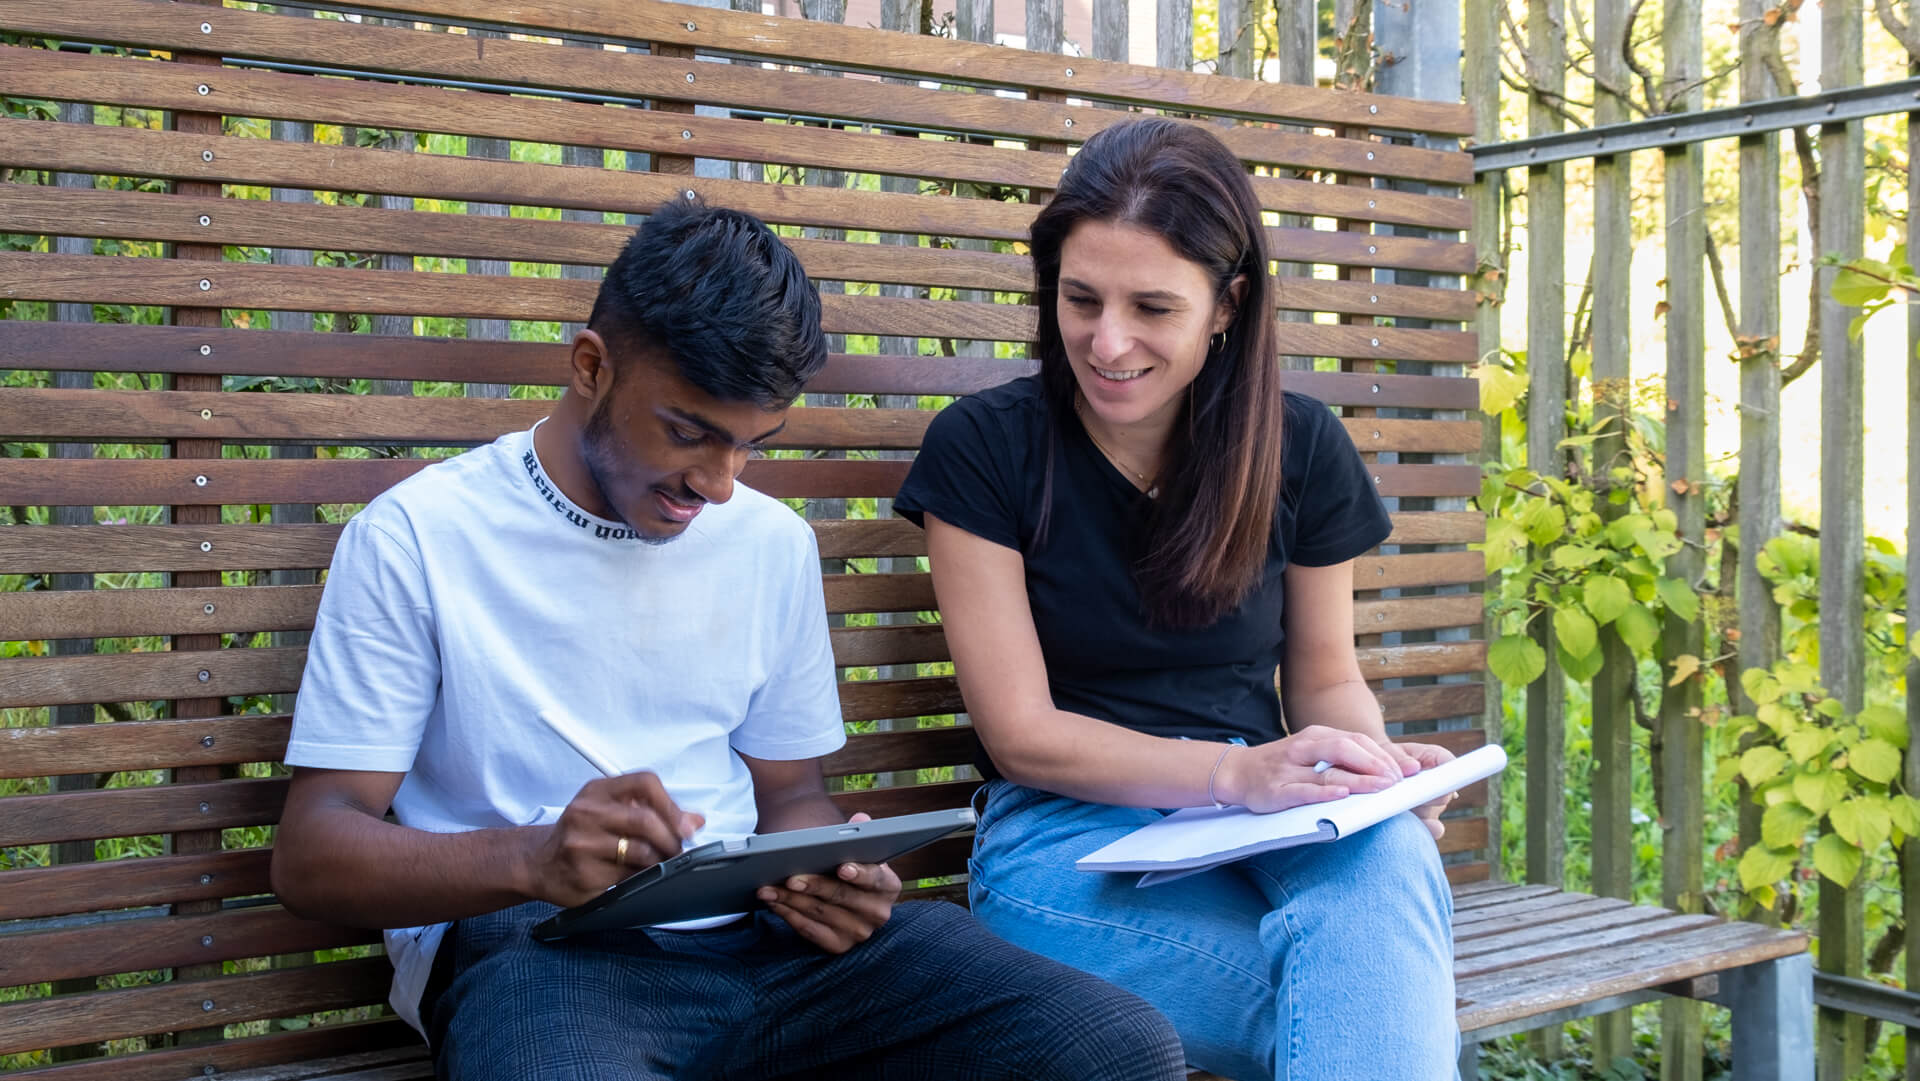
(564, 727)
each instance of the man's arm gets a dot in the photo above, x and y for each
(336, 857)
(834, 913)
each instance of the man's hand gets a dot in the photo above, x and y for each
(837, 913)
(1429, 756)
(612, 828)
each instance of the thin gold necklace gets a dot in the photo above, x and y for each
(1146, 483)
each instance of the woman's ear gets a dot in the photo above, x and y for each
(1229, 305)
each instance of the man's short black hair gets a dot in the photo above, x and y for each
(723, 296)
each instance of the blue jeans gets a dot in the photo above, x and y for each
(930, 997)
(1343, 950)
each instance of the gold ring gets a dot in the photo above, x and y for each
(620, 852)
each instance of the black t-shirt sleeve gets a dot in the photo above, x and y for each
(963, 476)
(1337, 510)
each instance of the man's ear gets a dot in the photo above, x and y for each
(590, 367)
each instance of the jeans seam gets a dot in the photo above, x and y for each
(1294, 933)
(1076, 918)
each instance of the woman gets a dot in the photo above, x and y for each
(1125, 548)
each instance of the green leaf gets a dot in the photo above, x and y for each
(1863, 821)
(1904, 812)
(1875, 759)
(1761, 866)
(1499, 388)
(1804, 744)
(1638, 628)
(1657, 544)
(1606, 598)
(1679, 598)
(1885, 722)
(1819, 791)
(1582, 667)
(1836, 859)
(1785, 824)
(1575, 631)
(1852, 288)
(1621, 531)
(1569, 556)
(1516, 659)
(1761, 764)
(1760, 685)
(1543, 521)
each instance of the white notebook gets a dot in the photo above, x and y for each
(1196, 839)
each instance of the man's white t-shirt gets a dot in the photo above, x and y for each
(471, 596)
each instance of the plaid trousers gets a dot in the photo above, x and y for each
(932, 996)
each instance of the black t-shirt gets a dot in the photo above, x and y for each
(982, 468)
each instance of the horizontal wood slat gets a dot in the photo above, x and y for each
(880, 700)
(93, 347)
(135, 812)
(28, 208)
(166, 1007)
(84, 549)
(228, 1058)
(166, 942)
(136, 677)
(104, 482)
(140, 745)
(130, 883)
(539, 66)
(151, 416)
(241, 92)
(238, 160)
(752, 34)
(915, 749)
(1401, 705)
(856, 647)
(1426, 569)
(905, 800)
(1425, 659)
(109, 279)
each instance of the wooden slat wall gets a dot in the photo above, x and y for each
(923, 120)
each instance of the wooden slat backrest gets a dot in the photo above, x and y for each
(955, 145)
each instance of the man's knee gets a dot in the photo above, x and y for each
(1104, 1033)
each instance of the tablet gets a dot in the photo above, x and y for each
(721, 878)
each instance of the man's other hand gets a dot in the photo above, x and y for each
(612, 828)
(837, 912)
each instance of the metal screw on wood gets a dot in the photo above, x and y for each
(689, 76)
(1372, 110)
(1373, 300)
(206, 940)
(1369, 155)
(1376, 480)
(1373, 249)
(690, 195)
(206, 28)
(206, 808)
(691, 27)
(1376, 388)
(206, 414)
(204, 676)
(1069, 73)
(206, 546)
(1069, 121)
(208, 608)
(200, 481)
(205, 285)
(685, 134)
(205, 220)
(206, 350)
(206, 741)
(1375, 342)
(206, 880)
(207, 1005)
(203, 89)
(206, 155)
(1369, 204)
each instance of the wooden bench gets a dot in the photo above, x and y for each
(174, 526)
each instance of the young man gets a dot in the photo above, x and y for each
(606, 564)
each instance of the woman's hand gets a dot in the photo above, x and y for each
(1427, 756)
(1278, 775)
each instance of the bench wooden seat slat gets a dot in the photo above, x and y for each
(1574, 934)
(178, 1005)
(751, 34)
(1486, 936)
(1711, 945)
(274, 95)
(1494, 915)
(258, 419)
(289, 1056)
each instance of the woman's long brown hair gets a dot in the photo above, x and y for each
(1211, 527)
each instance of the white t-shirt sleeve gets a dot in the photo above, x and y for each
(373, 666)
(795, 714)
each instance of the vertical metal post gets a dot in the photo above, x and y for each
(1771, 1003)
(1842, 499)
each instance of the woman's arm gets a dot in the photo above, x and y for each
(981, 587)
